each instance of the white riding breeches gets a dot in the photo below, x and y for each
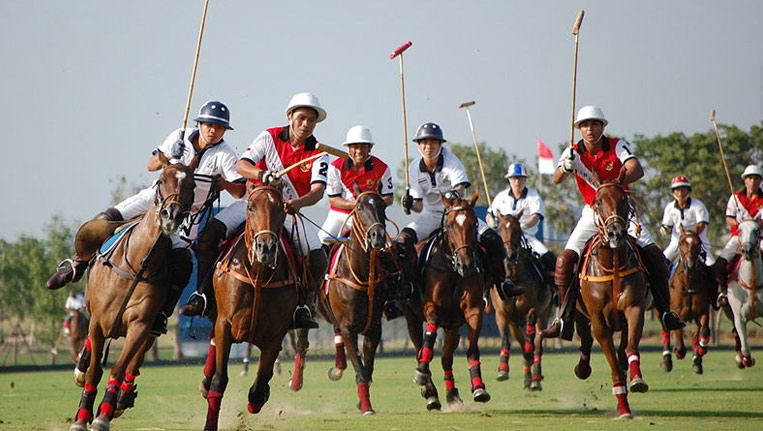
(671, 251)
(333, 223)
(586, 229)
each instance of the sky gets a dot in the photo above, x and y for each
(90, 88)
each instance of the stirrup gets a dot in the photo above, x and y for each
(203, 297)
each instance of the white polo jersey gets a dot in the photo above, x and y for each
(530, 201)
(76, 303)
(217, 159)
(689, 217)
(427, 186)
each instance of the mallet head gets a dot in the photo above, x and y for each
(712, 115)
(578, 21)
(400, 49)
(466, 104)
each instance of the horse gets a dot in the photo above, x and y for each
(745, 291)
(692, 288)
(526, 314)
(612, 295)
(454, 288)
(78, 333)
(126, 289)
(255, 287)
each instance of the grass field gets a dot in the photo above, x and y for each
(724, 398)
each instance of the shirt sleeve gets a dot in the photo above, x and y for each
(666, 221)
(166, 146)
(320, 170)
(536, 205)
(703, 216)
(416, 191)
(228, 162)
(387, 188)
(457, 173)
(256, 150)
(623, 151)
(334, 184)
(731, 207)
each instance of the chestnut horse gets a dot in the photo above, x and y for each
(78, 332)
(454, 287)
(692, 288)
(613, 295)
(524, 315)
(256, 292)
(745, 292)
(126, 289)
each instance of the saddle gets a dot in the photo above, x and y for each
(226, 256)
(580, 274)
(94, 233)
(428, 247)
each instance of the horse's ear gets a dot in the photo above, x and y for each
(498, 213)
(445, 200)
(473, 199)
(681, 229)
(356, 189)
(621, 177)
(521, 212)
(596, 179)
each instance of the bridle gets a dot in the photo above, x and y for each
(453, 259)
(603, 224)
(250, 237)
(358, 229)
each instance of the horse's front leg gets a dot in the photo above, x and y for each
(128, 389)
(303, 345)
(678, 343)
(364, 380)
(583, 328)
(90, 379)
(702, 331)
(422, 375)
(449, 346)
(137, 334)
(340, 359)
(473, 317)
(534, 348)
(220, 378)
(603, 335)
(259, 392)
(743, 359)
(634, 317)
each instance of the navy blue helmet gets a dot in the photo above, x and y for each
(429, 131)
(214, 112)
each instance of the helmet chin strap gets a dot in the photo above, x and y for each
(439, 151)
(595, 142)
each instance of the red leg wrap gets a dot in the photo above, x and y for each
(450, 382)
(621, 393)
(128, 384)
(703, 342)
(503, 365)
(634, 366)
(87, 345)
(211, 364)
(340, 362)
(214, 400)
(476, 375)
(665, 338)
(364, 397)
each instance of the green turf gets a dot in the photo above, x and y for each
(723, 398)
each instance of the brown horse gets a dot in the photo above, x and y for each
(454, 286)
(524, 315)
(613, 295)
(256, 291)
(126, 288)
(692, 287)
(78, 333)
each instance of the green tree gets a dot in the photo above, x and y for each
(697, 157)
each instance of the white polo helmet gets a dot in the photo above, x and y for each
(358, 135)
(752, 170)
(306, 100)
(590, 112)
(516, 170)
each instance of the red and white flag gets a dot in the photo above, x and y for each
(545, 159)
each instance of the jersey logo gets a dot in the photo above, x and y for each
(609, 165)
(305, 167)
(370, 184)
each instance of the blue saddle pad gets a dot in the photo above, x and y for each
(114, 239)
(673, 269)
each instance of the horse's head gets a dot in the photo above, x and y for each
(612, 210)
(369, 220)
(264, 219)
(511, 233)
(690, 248)
(749, 238)
(460, 233)
(174, 196)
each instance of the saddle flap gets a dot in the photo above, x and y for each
(93, 233)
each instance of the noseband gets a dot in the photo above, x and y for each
(604, 224)
(453, 260)
(358, 229)
(250, 237)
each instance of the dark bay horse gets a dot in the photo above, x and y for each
(613, 295)
(524, 315)
(256, 292)
(454, 286)
(125, 291)
(78, 332)
(692, 288)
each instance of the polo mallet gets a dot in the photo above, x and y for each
(325, 149)
(720, 147)
(332, 150)
(466, 105)
(399, 53)
(575, 31)
(193, 73)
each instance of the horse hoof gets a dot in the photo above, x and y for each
(243, 373)
(100, 425)
(667, 363)
(536, 386)
(502, 376)
(626, 416)
(295, 386)
(748, 361)
(433, 403)
(420, 378)
(254, 408)
(480, 395)
(335, 374)
(204, 388)
(697, 369)
(582, 371)
(78, 427)
(369, 412)
(79, 378)
(639, 385)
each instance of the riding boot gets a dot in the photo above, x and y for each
(207, 250)
(563, 325)
(77, 265)
(720, 268)
(657, 267)
(179, 268)
(317, 263)
(405, 248)
(496, 255)
(392, 310)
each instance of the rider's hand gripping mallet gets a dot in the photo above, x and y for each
(575, 31)
(477, 149)
(399, 53)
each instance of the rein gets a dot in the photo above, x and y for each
(469, 247)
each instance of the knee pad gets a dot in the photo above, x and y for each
(565, 265)
(110, 214)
